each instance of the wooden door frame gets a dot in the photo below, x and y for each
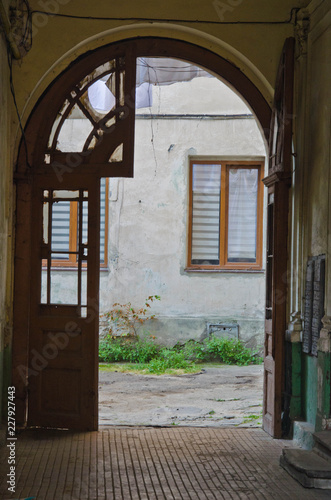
(31, 163)
(278, 183)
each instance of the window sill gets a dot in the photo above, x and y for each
(224, 271)
(72, 268)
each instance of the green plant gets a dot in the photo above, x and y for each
(194, 350)
(222, 349)
(229, 351)
(123, 319)
(251, 418)
(157, 359)
(132, 350)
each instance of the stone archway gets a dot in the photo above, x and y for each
(40, 364)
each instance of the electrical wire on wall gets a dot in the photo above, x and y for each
(18, 33)
(12, 90)
(290, 20)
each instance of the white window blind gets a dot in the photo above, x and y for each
(102, 220)
(60, 229)
(206, 197)
(242, 222)
(103, 201)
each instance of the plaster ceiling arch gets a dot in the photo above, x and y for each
(166, 30)
(250, 76)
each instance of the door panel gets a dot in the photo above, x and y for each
(64, 329)
(278, 183)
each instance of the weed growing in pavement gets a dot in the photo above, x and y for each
(226, 400)
(251, 418)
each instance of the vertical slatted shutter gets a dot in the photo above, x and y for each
(102, 220)
(206, 196)
(61, 229)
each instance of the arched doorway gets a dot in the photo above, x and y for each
(55, 345)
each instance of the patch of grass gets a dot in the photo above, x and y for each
(143, 369)
(159, 359)
(170, 359)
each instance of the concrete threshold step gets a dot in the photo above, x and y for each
(323, 444)
(307, 467)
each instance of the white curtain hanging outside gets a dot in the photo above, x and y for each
(150, 71)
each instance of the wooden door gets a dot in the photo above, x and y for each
(63, 350)
(278, 183)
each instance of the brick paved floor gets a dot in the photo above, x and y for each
(151, 463)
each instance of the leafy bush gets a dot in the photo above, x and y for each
(126, 348)
(229, 351)
(222, 349)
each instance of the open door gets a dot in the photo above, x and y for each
(64, 330)
(278, 183)
(78, 140)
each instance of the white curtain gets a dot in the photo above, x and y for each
(165, 71)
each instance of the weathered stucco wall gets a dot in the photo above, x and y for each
(312, 187)
(148, 216)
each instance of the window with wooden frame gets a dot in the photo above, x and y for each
(225, 215)
(65, 222)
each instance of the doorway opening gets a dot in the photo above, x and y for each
(188, 222)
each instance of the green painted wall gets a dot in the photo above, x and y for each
(315, 390)
(296, 376)
(309, 388)
(323, 410)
